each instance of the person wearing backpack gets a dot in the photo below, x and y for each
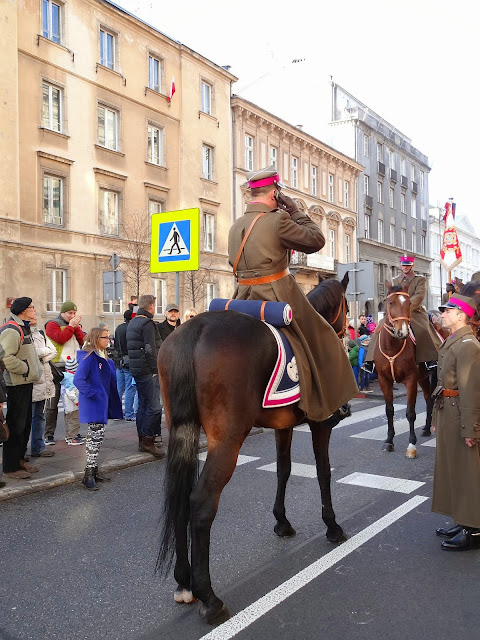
(21, 369)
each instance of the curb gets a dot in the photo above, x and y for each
(69, 477)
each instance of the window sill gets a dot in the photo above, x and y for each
(157, 166)
(99, 65)
(117, 153)
(104, 234)
(56, 133)
(41, 38)
(207, 115)
(208, 180)
(53, 225)
(148, 90)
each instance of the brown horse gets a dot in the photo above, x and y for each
(394, 359)
(213, 372)
(472, 289)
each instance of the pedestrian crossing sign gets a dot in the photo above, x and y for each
(175, 241)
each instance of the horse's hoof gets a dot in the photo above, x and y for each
(426, 433)
(388, 446)
(284, 530)
(214, 617)
(184, 596)
(336, 535)
(411, 451)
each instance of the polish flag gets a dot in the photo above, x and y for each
(172, 90)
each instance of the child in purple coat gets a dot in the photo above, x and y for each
(96, 381)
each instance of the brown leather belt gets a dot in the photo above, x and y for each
(264, 279)
(450, 393)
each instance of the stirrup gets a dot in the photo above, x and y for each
(431, 364)
(368, 366)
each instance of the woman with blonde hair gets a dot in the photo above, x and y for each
(189, 314)
(96, 381)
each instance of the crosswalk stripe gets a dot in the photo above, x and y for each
(302, 470)
(372, 481)
(380, 433)
(430, 443)
(241, 458)
(359, 416)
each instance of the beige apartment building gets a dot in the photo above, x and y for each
(320, 179)
(91, 146)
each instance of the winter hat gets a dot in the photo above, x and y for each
(351, 344)
(68, 305)
(128, 315)
(19, 305)
(363, 338)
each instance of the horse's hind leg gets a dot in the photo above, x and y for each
(283, 441)
(428, 385)
(182, 572)
(411, 384)
(320, 441)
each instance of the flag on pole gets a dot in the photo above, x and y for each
(172, 90)
(450, 252)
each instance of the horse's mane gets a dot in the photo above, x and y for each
(397, 288)
(326, 296)
(469, 289)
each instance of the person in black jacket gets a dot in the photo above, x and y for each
(142, 360)
(171, 322)
(125, 382)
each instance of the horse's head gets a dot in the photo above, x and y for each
(398, 311)
(472, 289)
(328, 299)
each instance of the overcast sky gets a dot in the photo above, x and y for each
(415, 63)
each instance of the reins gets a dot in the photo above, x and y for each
(342, 306)
(390, 329)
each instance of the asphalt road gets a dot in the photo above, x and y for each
(79, 565)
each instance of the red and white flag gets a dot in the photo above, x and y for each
(450, 252)
(172, 90)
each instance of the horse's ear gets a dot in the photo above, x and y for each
(344, 281)
(320, 278)
(388, 285)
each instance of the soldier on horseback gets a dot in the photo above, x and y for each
(427, 341)
(274, 226)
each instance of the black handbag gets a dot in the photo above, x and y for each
(56, 373)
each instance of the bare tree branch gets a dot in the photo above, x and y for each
(194, 281)
(136, 249)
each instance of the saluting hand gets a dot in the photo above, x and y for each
(471, 442)
(286, 203)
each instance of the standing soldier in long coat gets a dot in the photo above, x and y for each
(456, 420)
(259, 247)
(427, 340)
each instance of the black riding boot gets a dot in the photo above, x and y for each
(89, 479)
(431, 364)
(467, 538)
(450, 532)
(99, 477)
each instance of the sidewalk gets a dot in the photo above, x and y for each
(377, 392)
(118, 451)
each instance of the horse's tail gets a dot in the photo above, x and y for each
(182, 456)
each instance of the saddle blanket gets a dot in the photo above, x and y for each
(283, 388)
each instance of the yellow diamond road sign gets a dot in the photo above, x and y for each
(175, 241)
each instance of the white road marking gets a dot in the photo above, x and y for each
(380, 433)
(360, 416)
(256, 610)
(241, 458)
(430, 443)
(303, 470)
(381, 482)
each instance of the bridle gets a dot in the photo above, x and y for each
(390, 329)
(342, 312)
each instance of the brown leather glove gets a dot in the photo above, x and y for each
(286, 203)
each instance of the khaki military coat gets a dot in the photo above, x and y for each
(456, 484)
(326, 377)
(426, 338)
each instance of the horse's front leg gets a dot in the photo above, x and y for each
(411, 384)
(387, 390)
(428, 385)
(320, 441)
(283, 441)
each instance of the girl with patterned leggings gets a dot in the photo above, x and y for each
(96, 381)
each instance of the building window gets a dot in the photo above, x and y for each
(206, 91)
(346, 186)
(108, 205)
(107, 49)
(107, 127)
(52, 21)
(379, 152)
(160, 293)
(379, 192)
(366, 141)
(414, 207)
(154, 74)
(274, 157)
(209, 294)
(155, 145)
(404, 239)
(365, 185)
(422, 179)
(392, 234)
(208, 232)
(331, 243)
(412, 173)
(414, 241)
(367, 226)
(51, 107)
(422, 212)
(294, 172)
(402, 167)
(330, 187)
(155, 206)
(423, 244)
(392, 198)
(52, 200)
(347, 248)
(380, 230)
(249, 153)
(314, 181)
(207, 162)
(402, 203)
(56, 288)
(391, 158)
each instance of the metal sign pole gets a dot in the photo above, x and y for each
(114, 300)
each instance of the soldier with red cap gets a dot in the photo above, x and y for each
(259, 246)
(427, 340)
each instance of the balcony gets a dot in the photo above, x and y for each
(404, 181)
(312, 261)
(393, 175)
(381, 168)
(414, 187)
(369, 202)
(381, 288)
